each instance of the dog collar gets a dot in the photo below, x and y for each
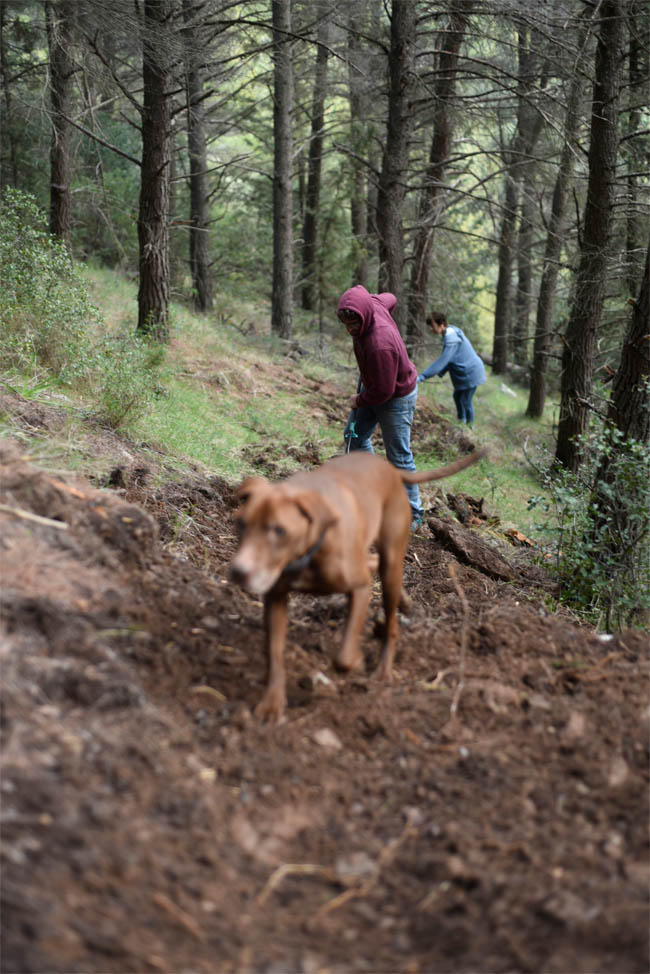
(298, 564)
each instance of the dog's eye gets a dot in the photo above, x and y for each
(277, 530)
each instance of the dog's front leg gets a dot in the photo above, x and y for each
(271, 706)
(350, 656)
(391, 570)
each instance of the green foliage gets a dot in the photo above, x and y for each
(601, 521)
(51, 330)
(45, 312)
(126, 378)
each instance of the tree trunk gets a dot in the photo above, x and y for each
(6, 92)
(155, 175)
(394, 174)
(523, 295)
(580, 338)
(59, 19)
(433, 186)
(516, 157)
(555, 237)
(374, 148)
(282, 299)
(636, 160)
(199, 237)
(629, 407)
(314, 168)
(359, 197)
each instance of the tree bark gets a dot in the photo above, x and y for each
(199, 237)
(629, 406)
(433, 186)
(155, 177)
(523, 294)
(635, 156)
(359, 143)
(555, 238)
(580, 338)
(6, 92)
(282, 299)
(59, 19)
(394, 173)
(517, 158)
(314, 167)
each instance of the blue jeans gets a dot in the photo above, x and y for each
(395, 419)
(464, 408)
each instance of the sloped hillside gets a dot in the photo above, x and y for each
(487, 812)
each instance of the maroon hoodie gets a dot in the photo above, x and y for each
(386, 370)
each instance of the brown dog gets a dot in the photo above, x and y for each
(313, 533)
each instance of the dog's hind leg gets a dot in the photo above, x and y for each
(391, 570)
(350, 656)
(276, 613)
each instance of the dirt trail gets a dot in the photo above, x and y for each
(488, 812)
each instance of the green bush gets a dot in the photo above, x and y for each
(49, 325)
(45, 313)
(601, 521)
(126, 377)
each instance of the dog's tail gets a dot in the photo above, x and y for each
(422, 476)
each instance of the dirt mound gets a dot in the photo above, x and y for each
(487, 812)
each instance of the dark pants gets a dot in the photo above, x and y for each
(464, 408)
(395, 418)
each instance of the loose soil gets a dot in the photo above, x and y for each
(487, 812)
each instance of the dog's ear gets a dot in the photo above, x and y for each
(316, 509)
(250, 486)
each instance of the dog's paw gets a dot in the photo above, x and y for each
(384, 672)
(271, 708)
(349, 662)
(405, 604)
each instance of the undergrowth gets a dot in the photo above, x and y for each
(599, 522)
(52, 334)
(213, 396)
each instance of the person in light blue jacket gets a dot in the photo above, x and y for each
(461, 361)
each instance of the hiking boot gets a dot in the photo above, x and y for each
(416, 524)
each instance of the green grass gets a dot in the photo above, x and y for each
(506, 478)
(225, 398)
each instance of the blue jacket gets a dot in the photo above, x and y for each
(459, 359)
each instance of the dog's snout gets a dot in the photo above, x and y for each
(238, 574)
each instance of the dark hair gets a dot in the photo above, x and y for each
(438, 317)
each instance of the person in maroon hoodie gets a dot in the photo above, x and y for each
(388, 388)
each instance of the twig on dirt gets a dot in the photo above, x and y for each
(437, 682)
(463, 641)
(28, 516)
(293, 869)
(181, 917)
(386, 856)
(209, 691)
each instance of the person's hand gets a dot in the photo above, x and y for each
(421, 379)
(354, 402)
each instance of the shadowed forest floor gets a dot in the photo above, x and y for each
(486, 812)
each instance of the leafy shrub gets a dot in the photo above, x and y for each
(45, 311)
(126, 377)
(601, 521)
(48, 322)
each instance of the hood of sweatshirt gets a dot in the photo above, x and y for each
(360, 300)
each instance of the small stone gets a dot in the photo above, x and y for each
(618, 773)
(353, 869)
(327, 738)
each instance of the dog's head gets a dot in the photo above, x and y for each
(277, 526)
